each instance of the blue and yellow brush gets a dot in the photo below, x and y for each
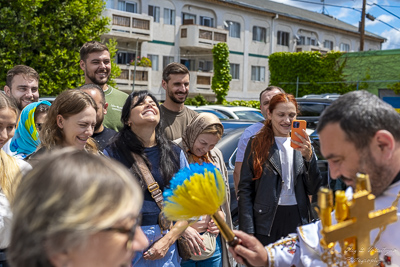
(196, 191)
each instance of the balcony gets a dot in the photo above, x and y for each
(300, 48)
(127, 26)
(125, 79)
(203, 37)
(202, 84)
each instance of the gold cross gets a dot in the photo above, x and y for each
(360, 221)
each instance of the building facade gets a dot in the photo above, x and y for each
(185, 31)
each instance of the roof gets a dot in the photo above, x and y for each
(299, 13)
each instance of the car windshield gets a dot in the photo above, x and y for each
(311, 109)
(249, 115)
(216, 113)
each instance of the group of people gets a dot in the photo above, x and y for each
(95, 162)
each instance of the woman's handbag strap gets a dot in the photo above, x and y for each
(148, 178)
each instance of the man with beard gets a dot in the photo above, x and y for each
(175, 116)
(358, 133)
(96, 64)
(22, 84)
(101, 134)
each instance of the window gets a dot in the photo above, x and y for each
(328, 44)
(205, 65)
(311, 41)
(235, 71)
(154, 11)
(301, 40)
(125, 57)
(167, 60)
(283, 38)
(344, 47)
(206, 21)
(154, 61)
(188, 19)
(169, 16)
(259, 34)
(258, 73)
(233, 28)
(127, 6)
(189, 63)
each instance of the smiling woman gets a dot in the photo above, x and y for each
(198, 142)
(70, 122)
(95, 224)
(276, 179)
(141, 139)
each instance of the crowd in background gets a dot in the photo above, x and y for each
(84, 198)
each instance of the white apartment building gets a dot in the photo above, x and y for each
(185, 31)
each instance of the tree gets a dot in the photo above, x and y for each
(222, 76)
(47, 35)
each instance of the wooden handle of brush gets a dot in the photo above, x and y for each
(228, 234)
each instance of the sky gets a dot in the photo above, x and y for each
(349, 11)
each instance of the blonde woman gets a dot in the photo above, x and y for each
(9, 170)
(198, 143)
(82, 209)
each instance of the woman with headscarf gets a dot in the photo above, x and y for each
(26, 138)
(198, 143)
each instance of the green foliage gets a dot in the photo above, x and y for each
(395, 87)
(312, 67)
(47, 35)
(222, 76)
(242, 103)
(198, 100)
(143, 62)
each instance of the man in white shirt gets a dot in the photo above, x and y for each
(358, 133)
(265, 97)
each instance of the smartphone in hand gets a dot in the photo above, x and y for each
(297, 127)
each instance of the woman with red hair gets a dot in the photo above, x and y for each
(276, 179)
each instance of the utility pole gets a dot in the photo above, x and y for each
(323, 7)
(362, 27)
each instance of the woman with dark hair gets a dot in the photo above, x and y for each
(142, 136)
(276, 179)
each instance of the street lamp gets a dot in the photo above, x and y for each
(134, 69)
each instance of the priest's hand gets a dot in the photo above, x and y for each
(249, 248)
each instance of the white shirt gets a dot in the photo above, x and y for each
(287, 196)
(244, 139)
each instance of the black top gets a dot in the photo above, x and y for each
(103, 138)
(150, 209)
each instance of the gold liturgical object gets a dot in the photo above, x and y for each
(355, 220)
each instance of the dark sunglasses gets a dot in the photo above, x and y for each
(130, 232)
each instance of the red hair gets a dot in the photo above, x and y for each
(263, 141)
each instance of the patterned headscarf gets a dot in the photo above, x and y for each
(193, 130)
(26, 137)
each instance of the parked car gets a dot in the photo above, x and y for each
(238, 113)
(47, 98)
(332, 96)
(220, 115)
(311, 108)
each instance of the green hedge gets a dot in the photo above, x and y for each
(310, 67)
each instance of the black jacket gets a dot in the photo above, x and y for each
(258, 199)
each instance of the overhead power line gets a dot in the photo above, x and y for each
(309, 2)
(373, 4)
